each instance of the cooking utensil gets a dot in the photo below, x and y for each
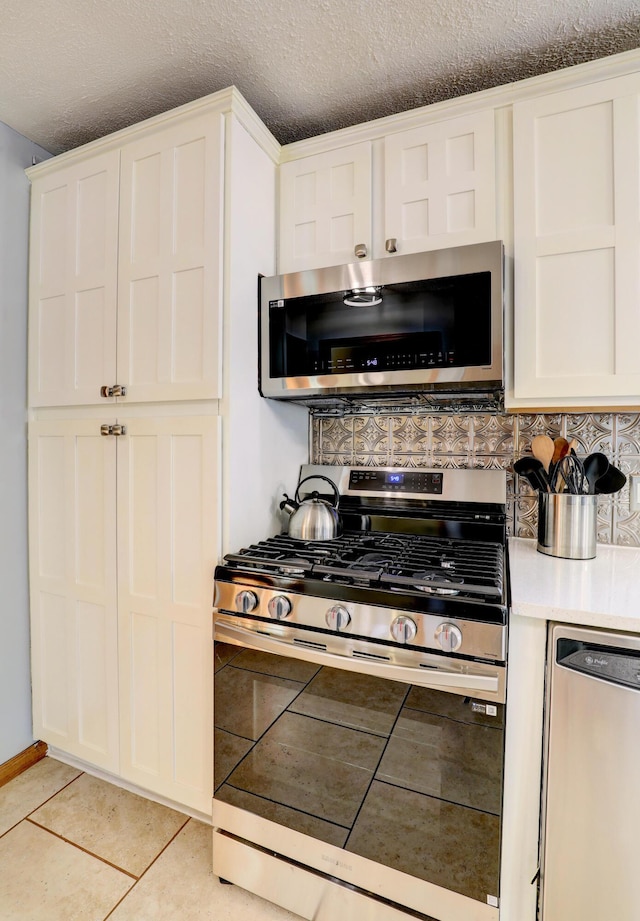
(542, 447)
(611, 481)
(595, 467)
(533, 471)
(569, 473)
(560, 449)
(313, 518)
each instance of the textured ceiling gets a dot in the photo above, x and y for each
(75, 70)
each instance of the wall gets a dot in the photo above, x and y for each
(488, 440)
(16, 154)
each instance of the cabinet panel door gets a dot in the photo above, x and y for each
(170, 262)
(577, 244)
(73, 282)
(440, 184)
(167, 540)
(325, 208)
(72, 533)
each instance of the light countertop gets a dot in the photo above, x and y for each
(603, 592)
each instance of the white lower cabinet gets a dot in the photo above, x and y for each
(123, 546)
(74, 633)
(167, 530)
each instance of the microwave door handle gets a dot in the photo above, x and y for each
(422, 677)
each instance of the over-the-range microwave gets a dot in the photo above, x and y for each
(392, 327)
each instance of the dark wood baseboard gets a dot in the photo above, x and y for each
(22, 761)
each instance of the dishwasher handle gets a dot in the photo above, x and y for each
(605, 663)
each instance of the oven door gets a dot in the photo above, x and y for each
(386, 778)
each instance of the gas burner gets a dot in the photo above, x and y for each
(422, 580)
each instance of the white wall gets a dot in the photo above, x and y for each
(16, 154)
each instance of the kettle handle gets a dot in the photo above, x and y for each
(318, 476)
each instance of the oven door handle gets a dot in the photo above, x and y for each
(488, 684)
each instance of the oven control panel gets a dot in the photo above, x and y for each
(276, 612)
(385, 481)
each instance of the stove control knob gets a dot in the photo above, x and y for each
(246, 602)
(449, 636)
(337, 617)
(403, 629)
(279, 607)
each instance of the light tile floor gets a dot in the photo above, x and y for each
(75, 848)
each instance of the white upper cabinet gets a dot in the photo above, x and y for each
(325, 208)
(169, 273)
(577, 246)
(439, 190)
(73, 282)
(125, 283)
(440, 185)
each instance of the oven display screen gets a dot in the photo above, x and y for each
(385, 481)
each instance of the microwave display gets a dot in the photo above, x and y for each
(428, 324)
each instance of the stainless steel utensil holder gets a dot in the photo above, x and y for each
(567, 525)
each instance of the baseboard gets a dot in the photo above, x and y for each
(22, 761)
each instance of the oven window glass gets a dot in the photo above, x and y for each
(407, 777)
(437, 323)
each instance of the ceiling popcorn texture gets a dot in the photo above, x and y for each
(75, 70)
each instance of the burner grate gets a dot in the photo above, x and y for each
(421, 563)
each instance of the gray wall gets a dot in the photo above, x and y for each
(16, 154)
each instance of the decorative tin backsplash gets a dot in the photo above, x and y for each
(489, 440)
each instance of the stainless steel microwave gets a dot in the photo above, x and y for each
(390, 327)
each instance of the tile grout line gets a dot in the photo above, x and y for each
(40, 805)
(146, 870)
(135, 879)
(79, 847)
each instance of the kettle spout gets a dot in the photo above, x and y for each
(289, 505)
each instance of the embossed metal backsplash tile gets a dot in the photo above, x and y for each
(489, 440)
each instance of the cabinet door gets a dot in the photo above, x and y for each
(170, 262)
(577, 245)
(72, 535)
(167, 539)
(73, 282)
(440, 185)
(325, 208)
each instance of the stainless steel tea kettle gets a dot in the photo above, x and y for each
(314, 518)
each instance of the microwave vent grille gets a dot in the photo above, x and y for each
(422, 403)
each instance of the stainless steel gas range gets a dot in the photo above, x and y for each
(359, 702)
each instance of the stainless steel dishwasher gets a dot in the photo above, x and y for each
(592, 777)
